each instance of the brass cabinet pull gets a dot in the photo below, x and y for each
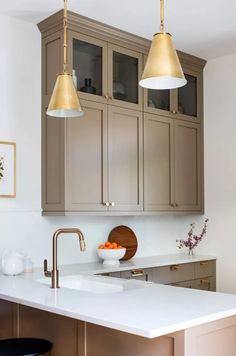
(174, 112)
(204, 263)
(175, 267)
(111, 97)
(137, 273)
(112, 204)
(106, 203)
(204, 281)
(106, 97)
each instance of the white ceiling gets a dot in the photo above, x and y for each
(206, 28)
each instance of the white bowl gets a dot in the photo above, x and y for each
(110, 256)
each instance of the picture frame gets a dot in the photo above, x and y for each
(7, 169)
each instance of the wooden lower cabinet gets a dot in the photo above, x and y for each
(196, 275)
(72, 337)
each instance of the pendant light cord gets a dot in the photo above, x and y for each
(65, 65)
(162, 15)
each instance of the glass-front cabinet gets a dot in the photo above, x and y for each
(184, 103)
(88, 64)
(104, 72)
(124, 72)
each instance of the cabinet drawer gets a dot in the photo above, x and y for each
(111, 274)
(205, 269)
(174, 273)
(141, 274)
(185, 284)
(207, 283)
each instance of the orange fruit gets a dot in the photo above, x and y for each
(120, 247)
(101, 247)
(107, 244)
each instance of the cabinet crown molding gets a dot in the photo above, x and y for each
(98, 29)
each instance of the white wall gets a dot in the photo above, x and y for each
(21, 225)
(220, 166)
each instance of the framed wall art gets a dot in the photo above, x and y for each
(7, 169)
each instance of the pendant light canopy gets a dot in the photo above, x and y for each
(162, 69)
(64, 100)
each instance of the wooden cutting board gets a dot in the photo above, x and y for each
(125, 237)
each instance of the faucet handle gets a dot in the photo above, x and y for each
(45, 268)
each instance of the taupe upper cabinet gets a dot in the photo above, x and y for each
(104, 164)
(173, 178)
(185, 103)
(134, 151)
(105, 72)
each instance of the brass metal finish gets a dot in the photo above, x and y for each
(204, 281)
(162, 69)
(175, 267)
(162, 15)
(54, 274)
(206, 263)
(64, 100)
(137, 273)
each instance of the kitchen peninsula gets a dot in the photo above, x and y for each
(140, 318)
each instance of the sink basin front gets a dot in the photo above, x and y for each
(96, 284)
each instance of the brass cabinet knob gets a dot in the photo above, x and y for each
(106, 203)
(106, 97)
(174, 112)
(175, 267)
(112, 204)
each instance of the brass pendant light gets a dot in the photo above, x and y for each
(162, 69)
(64, 101)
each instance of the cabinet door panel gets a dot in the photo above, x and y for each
(205, 269)
(158, 163)
(173, 274)
(208, 283)
(125, 160)
(53, 164)
(88, 58)
(124, 72)
(188, 168)
(86, 159)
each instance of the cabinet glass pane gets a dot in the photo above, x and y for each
(187, 97)
(159, 99)
(125, 77)
(87, 67)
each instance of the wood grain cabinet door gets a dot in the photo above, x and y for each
(86, 164)
(158, 163)
(125, 159)
(188, 166)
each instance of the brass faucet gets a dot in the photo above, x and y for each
(54, 274)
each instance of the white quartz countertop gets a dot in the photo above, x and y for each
(150, 311)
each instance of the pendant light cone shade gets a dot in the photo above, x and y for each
(163, 69)
(64, 101)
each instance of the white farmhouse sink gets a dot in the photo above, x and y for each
(96, 284)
